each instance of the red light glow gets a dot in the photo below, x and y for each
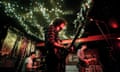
(114, 24)
(118, 38)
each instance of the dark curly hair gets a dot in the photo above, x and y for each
(58, 21)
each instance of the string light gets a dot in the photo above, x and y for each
(35, 14)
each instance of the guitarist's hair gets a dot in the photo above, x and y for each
(58, 21)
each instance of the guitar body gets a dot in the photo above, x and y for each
(87, 62)
(82, 63)
(61, 53)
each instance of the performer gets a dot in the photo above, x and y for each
(81, 55)
(28, 64)
(85, 59)
(56, 52)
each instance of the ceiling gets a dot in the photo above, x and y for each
(32, 17)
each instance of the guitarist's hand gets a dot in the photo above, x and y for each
(65, 47)
(87, 61)
(68, 48)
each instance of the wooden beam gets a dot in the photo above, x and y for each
(88, 39)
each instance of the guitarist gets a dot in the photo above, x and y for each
(81, 55)
(83, 60)
(55, 60)
(81, 52)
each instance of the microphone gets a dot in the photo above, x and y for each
(95, 20)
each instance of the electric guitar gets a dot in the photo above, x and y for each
(63, 52)
(87, 62)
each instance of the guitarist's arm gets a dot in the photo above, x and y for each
(81, 56)
(58, 45)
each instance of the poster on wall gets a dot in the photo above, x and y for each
(8, 43)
